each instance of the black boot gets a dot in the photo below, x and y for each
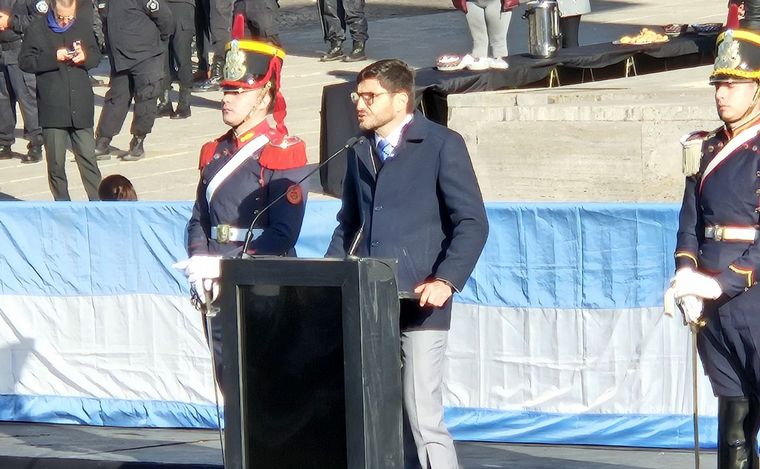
(34, 154)
(737, 447)
(183, 105)
(164, 107)
(335, 52)
(5, 152)
(103, 148)
(357, 53)
(212, 84)
(136, 150)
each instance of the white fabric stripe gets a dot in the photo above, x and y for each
(571, 361)
(151, 347)
(248, 150)
(730, 147)
(139, 347)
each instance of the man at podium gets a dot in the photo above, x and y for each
(411, 194)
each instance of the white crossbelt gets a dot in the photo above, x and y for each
(231, 234)
(731, 233)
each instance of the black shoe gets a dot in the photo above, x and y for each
(34, 155)
(164, 107)
(103, 148)
(212, 84)
(164, 110)
(5, 152)
(182, 112)
(357, 53)
(136, 150)
(335, 52)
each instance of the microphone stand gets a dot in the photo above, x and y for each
(249, 234)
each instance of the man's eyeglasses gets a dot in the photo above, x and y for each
(368, 98)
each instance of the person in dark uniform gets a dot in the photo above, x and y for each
(260, 19)
(717, 254)
(202, 38)
(59, 49)
(244, 171)
(336, 16)
(220, 21)
(16, 85)
(179, 54)
(136, 35)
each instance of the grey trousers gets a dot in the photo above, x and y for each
(488, 24)
(422, 354)
(83, 146)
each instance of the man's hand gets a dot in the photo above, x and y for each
(434, 293)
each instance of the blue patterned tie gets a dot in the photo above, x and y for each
(384, 149)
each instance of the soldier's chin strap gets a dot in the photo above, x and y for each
(263, 92)
(749, 116)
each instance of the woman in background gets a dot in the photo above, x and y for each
(488, 21)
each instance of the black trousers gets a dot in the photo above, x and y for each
(144, 83)
(569, 27)
(260, 19)
(179, 47)
(220, 25)
(82, 144)
(17, 86)
(202, 34)
(337, 15)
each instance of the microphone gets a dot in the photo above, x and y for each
(355, 243)
(249, 234)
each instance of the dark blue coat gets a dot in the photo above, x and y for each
(423, 207)
(237, 201)
(726, 196)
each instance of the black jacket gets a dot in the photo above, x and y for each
(22, 12)
(64, 93)
(136, 30)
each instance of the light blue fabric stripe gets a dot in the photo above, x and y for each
(651, 431)
(537, 256)
(656, 431)
(106, 412)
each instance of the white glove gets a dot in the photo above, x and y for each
(670, 294)
(696, 284)
(691, 309)
(198, 268)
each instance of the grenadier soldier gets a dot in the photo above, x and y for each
(245, 170)
(15, 84)
(717, 254)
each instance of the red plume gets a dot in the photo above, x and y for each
(732, 22)
(238, 26)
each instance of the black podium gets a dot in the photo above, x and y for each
(311, 364)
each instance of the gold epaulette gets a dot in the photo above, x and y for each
(691, 154)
